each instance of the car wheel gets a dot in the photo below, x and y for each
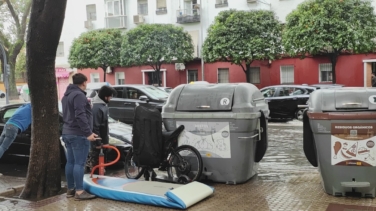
(2, 95)
(299, 114)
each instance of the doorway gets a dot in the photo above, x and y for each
(369, 68)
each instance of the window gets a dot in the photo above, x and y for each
(221, 3)
(284, 91)
(119, 92)
(192, 75)
(154, 92)
(142, 7)
(91, 12)
(255, 75)
(325, 72)
(60, 50)
(133, 93)
(115, 14)
(194, 36)
(8, 114)
(287, 74)
(94, 77)
(223, 75)
(298, 91)
(119, 78)
(161, 7)
(268, 92)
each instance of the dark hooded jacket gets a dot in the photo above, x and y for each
(100, 119)
(77, 114)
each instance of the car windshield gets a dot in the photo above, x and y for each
(155, 92)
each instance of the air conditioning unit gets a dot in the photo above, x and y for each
(88, 24)
(109, 70)
(251, 1)
(138, 19)
(179, 66)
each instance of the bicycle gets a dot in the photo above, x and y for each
(181, 167)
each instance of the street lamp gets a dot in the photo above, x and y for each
(6, 73)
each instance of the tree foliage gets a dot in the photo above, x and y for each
(21, 64)
(44, 172)
(14, 16)
(96, 49)
(241, 37)
(330, 28)
(156, 44)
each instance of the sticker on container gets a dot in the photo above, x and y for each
(211, 139)
(372, 99)
(224, 101)
(352, 144)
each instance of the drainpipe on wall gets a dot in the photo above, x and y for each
(202, 42)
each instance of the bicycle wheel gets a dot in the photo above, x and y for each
(185, 163)
(131, 170)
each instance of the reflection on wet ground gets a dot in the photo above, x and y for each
(284, 158)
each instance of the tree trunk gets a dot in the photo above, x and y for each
(157, 71)
(248, 72)
(16, 49)
(44, 172)
(333, 59)
(104, 73)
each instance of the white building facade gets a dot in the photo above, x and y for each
(195, 16)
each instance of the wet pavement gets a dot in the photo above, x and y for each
(286, 181)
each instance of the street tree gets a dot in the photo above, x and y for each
(45, 26)
(330, 28)
(241, 37)
(154, 45)
(96, 49)
(14, 15)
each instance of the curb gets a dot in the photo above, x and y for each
(12, 191)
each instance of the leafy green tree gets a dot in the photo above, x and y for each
(21, 64)
(241, 37)
(96, 49)
(14, 16)
(330, 28)
(154, 45)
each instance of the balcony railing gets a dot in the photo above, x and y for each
(222, 4)
(119, 21)
(188, 16)
(161, 11)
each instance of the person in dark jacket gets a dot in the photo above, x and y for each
(77, 134)
(18, 123)
(100, 123)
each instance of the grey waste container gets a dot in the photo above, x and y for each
(226, 123)
(339, 130)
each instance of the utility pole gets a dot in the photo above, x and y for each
(6, 73)
(202, 42)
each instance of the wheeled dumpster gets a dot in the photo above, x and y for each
(226, 123)
(339, 135)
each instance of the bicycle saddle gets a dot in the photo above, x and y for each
(171, 135)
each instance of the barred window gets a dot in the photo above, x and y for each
(223, 75)
(325, 72)
(255, 75)
(287, 74)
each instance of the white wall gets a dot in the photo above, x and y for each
(76, 16)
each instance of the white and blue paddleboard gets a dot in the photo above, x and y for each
(147, 192)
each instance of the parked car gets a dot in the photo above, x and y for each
(284, 100)
(2, 94)
(327, 86)
(121, 107)
(120, 135)
(166, 89)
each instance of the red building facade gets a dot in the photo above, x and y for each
(351, 70)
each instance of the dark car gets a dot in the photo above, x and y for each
(122, 106)
(120, 135)
(284, 100)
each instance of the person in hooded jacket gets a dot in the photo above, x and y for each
(100, 124)
(77, 134)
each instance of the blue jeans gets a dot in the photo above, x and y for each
(77, 151)
(7, 137)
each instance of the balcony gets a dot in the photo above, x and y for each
(188, 16)
(222, 3)
(119, 21)
(161, 11)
